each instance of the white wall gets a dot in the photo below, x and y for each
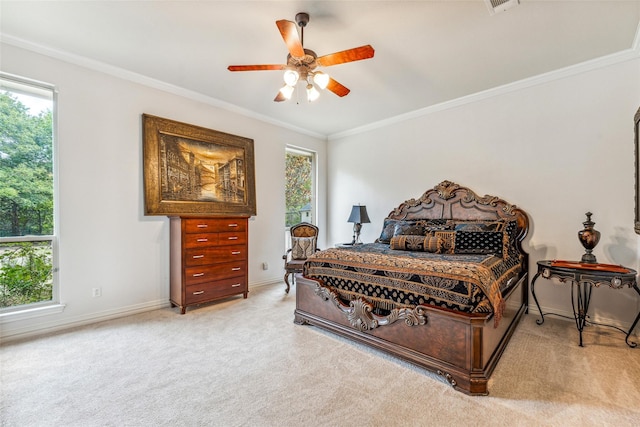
(105, 239)
(557, 150)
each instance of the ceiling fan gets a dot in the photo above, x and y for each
(302, 63)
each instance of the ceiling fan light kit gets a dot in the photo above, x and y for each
(302, 63)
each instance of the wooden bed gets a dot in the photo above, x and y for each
(462, 347)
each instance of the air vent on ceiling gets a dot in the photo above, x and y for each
(496, 6)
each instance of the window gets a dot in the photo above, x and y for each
(27, 232)
(300, 186)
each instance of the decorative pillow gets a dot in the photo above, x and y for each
(409, 228)
(452, 242)
(426, 243)
(302, 247)
(438, 225)
(394, 227)
(497, 225)
(388, 228)
(478, 242)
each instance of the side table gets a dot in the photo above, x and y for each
(582, 278)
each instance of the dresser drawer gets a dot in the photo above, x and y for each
(212, 290)
(214, 225)
(214, 255)
(207, 273)
(232, 238)
(200, 240)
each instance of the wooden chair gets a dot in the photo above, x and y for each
(304, 238)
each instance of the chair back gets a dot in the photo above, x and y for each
(304, 240)
(304, 229)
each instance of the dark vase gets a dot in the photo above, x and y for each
(589, 237)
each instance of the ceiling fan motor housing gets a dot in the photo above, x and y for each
(305, 64)
(302, 19)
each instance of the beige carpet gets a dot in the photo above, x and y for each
(245, 363)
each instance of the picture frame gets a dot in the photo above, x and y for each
(194, 171)
(636, 127)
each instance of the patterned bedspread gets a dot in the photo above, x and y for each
(398, 279)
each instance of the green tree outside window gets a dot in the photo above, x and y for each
(26, 202)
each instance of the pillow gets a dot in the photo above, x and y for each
(388, 228)
(302, 247)
(395, 227)
(452, 242)
(476, 242)
(409, 228)
(426, 243)
(460, 225)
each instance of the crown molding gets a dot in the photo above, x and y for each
(148, 81)
(584, 67)
(602, 62)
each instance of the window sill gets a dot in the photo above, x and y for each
(31, 312)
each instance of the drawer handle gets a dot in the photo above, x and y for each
(235, 269)
(236, 285)
(202, 240)
(235, 252)
(233, 238)
(233, 225)
(202, 225)
(198, 256)
(198, 275)
(198, 293)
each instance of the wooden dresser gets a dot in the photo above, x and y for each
(208, 259)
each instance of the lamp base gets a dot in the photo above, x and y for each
(356, 234)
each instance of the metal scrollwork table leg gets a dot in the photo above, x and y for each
(580, 298)
(533, 292)
(635, 322)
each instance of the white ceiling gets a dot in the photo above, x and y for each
(426, 52)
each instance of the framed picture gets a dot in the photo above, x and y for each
(194, 171)
(636, 126)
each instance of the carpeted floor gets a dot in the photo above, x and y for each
(245, 363)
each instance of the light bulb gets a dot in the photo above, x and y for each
(291, 77)
(312, 93)
(321, 79)
(286, 91)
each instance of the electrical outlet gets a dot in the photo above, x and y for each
(265, 265)
(96, 292)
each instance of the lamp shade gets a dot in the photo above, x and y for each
(312, 93)
(291, 77)
(321, 79)
(287, 91)
(359, 215)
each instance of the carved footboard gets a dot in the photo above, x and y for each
(462, 348)
(360, 314)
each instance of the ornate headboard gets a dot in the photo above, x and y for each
(452, 201)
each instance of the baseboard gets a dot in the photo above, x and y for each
(568, 316)
(47, 327)
(267, 282)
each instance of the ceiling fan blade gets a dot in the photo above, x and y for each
(266, 67)
(350, 55)
(337, 88)
(289, 32)
(279, 97)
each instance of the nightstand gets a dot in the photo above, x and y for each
(583, 277)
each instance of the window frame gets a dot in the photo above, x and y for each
(22, 85)
(314, 177)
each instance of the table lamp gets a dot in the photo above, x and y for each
(358, 217)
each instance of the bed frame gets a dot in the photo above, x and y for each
(463, 348)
